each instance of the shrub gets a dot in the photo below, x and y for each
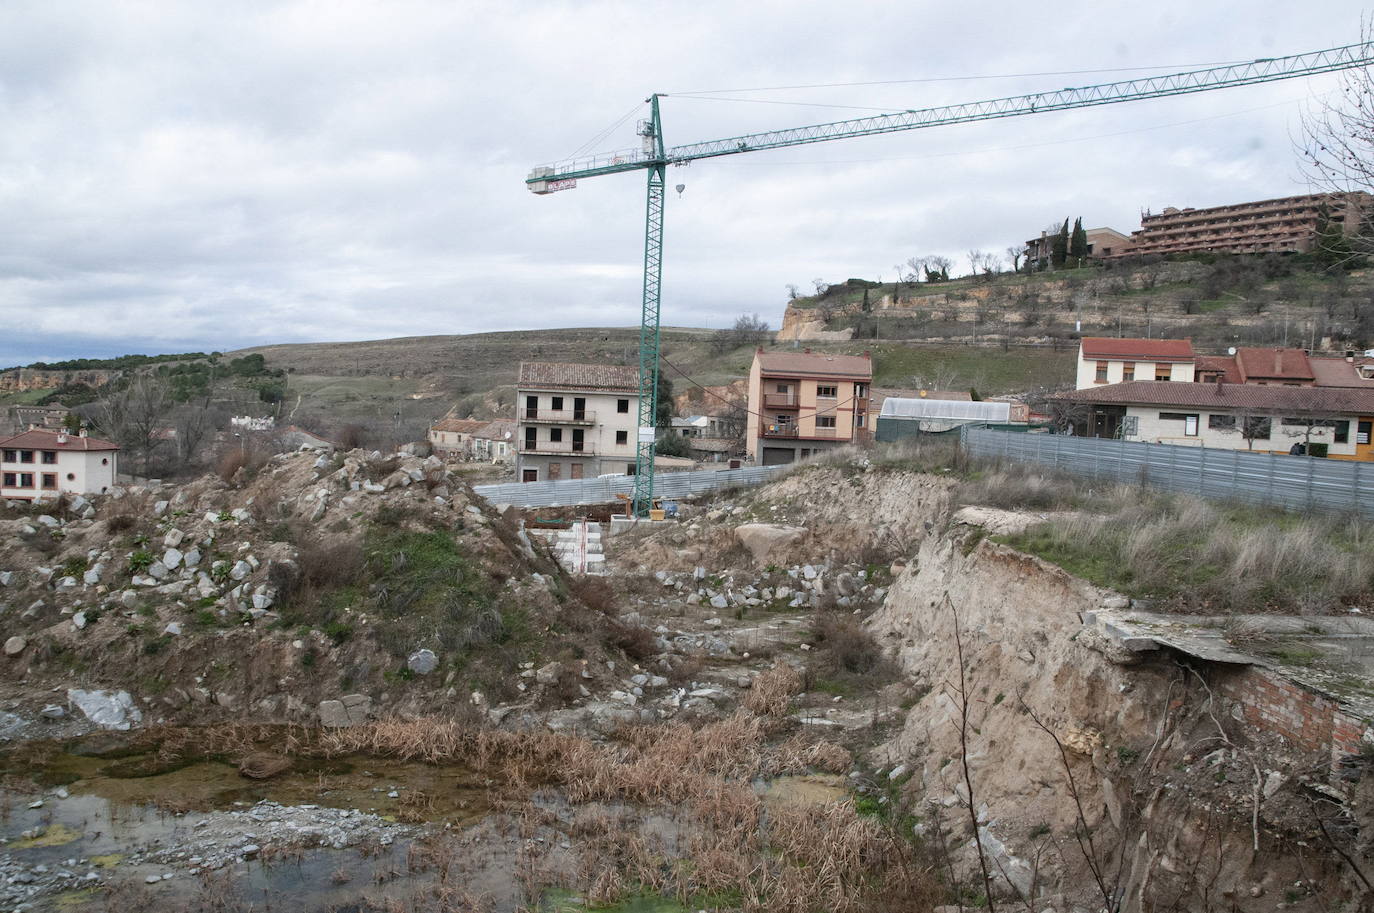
(325, 566)
(846, 646)
(634, 640)
(119, 523)
(594, 593)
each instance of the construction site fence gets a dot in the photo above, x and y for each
(572, 492)
(1294, 482)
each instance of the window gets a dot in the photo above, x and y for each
(860, 391)
(1161, 372)
(49, 457)
(629, 469)
(1258, 427)
(1221, 422)
(1101, 377)
(622, 437)
(556, 403)
(827, 392)
(622, 406)
(859, 420)
(25, 480)
(825, 421)
(1342, 432)
(50, 480)
(1128, 371)
(555, 435)
(782, 388)
(71, 477)
(11, 480)
(1190, 426)
(1130, 426)
(26, 456)
(105, 462)
(11, 456)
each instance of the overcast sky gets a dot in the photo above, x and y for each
(210, 175)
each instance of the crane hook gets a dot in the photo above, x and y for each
(679, 189)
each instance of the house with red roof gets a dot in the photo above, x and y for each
(576, 421)
(39, 464)
(801, 403)
(1105, 360)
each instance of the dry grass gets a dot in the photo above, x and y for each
(771, 692)
(1198, 555)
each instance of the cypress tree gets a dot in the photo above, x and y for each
(1059, 249)
(1078, 245)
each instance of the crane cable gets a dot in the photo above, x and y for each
(745, 409)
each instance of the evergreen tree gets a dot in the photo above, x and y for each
(1059, 248)
(1078, 243)
(1332, 248)
(663, 411)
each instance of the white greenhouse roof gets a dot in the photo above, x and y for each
(945, 409)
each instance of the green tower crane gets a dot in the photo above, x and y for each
(653, 158)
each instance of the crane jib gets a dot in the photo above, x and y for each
(1262, 70)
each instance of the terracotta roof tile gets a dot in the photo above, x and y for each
(563, 375)
(816, 364)
(1143, 349)
(1276, 364)
(1326, 400)
(38, 439)
(1337, 372)
(459, 425)
(499, 430)
(1225, 364)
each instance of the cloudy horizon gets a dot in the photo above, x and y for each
(187, 177)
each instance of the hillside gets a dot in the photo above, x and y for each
(1218, 301)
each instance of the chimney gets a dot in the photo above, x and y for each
(806, 351)
(82, 432)
(1278, 362)
(1220, 391)
(62, 438)
(1350, 355)
(867, 354)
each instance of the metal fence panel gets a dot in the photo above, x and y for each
(1293, 482)
(573, 492)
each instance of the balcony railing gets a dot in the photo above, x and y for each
(559, 416)
(780, 400)
(793, 432)
(560, 448)
(779, 431)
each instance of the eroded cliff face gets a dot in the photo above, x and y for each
(1084, 756)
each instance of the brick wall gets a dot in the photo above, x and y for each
(1305, 719)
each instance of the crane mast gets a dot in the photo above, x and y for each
(653, 157)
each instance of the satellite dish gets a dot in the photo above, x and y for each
(679, 189)
(1231, 350)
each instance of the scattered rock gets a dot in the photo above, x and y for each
(422, 662)
(107, 710)
(16, 644)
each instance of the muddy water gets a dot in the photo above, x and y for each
(112, 820)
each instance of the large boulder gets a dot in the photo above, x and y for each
(349, 710)
(766, 540)
(107, 710)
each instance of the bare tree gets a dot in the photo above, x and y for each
(749, 330)
(821, 286)
(134, 416)
(793, 293)
(936, 268)
(1336, 147)
(1014, 253)
(195, 424)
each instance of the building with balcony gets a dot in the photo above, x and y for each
(575, 421)
(801, 403)
(40, 464)
(1284, 225)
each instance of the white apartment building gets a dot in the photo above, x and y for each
(1105, 360)
(41, 464)
(575, 421)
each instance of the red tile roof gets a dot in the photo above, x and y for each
(39, 439)
(1273, 364)
(1142, 349)
(459, 425)
(815, 364)
(499, 430)
(1224, 364)
(1229, 397)
(1337, 372)
(565, 376)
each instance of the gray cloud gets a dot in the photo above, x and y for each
(206, 176)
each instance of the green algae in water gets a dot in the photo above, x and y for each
(56, 834)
